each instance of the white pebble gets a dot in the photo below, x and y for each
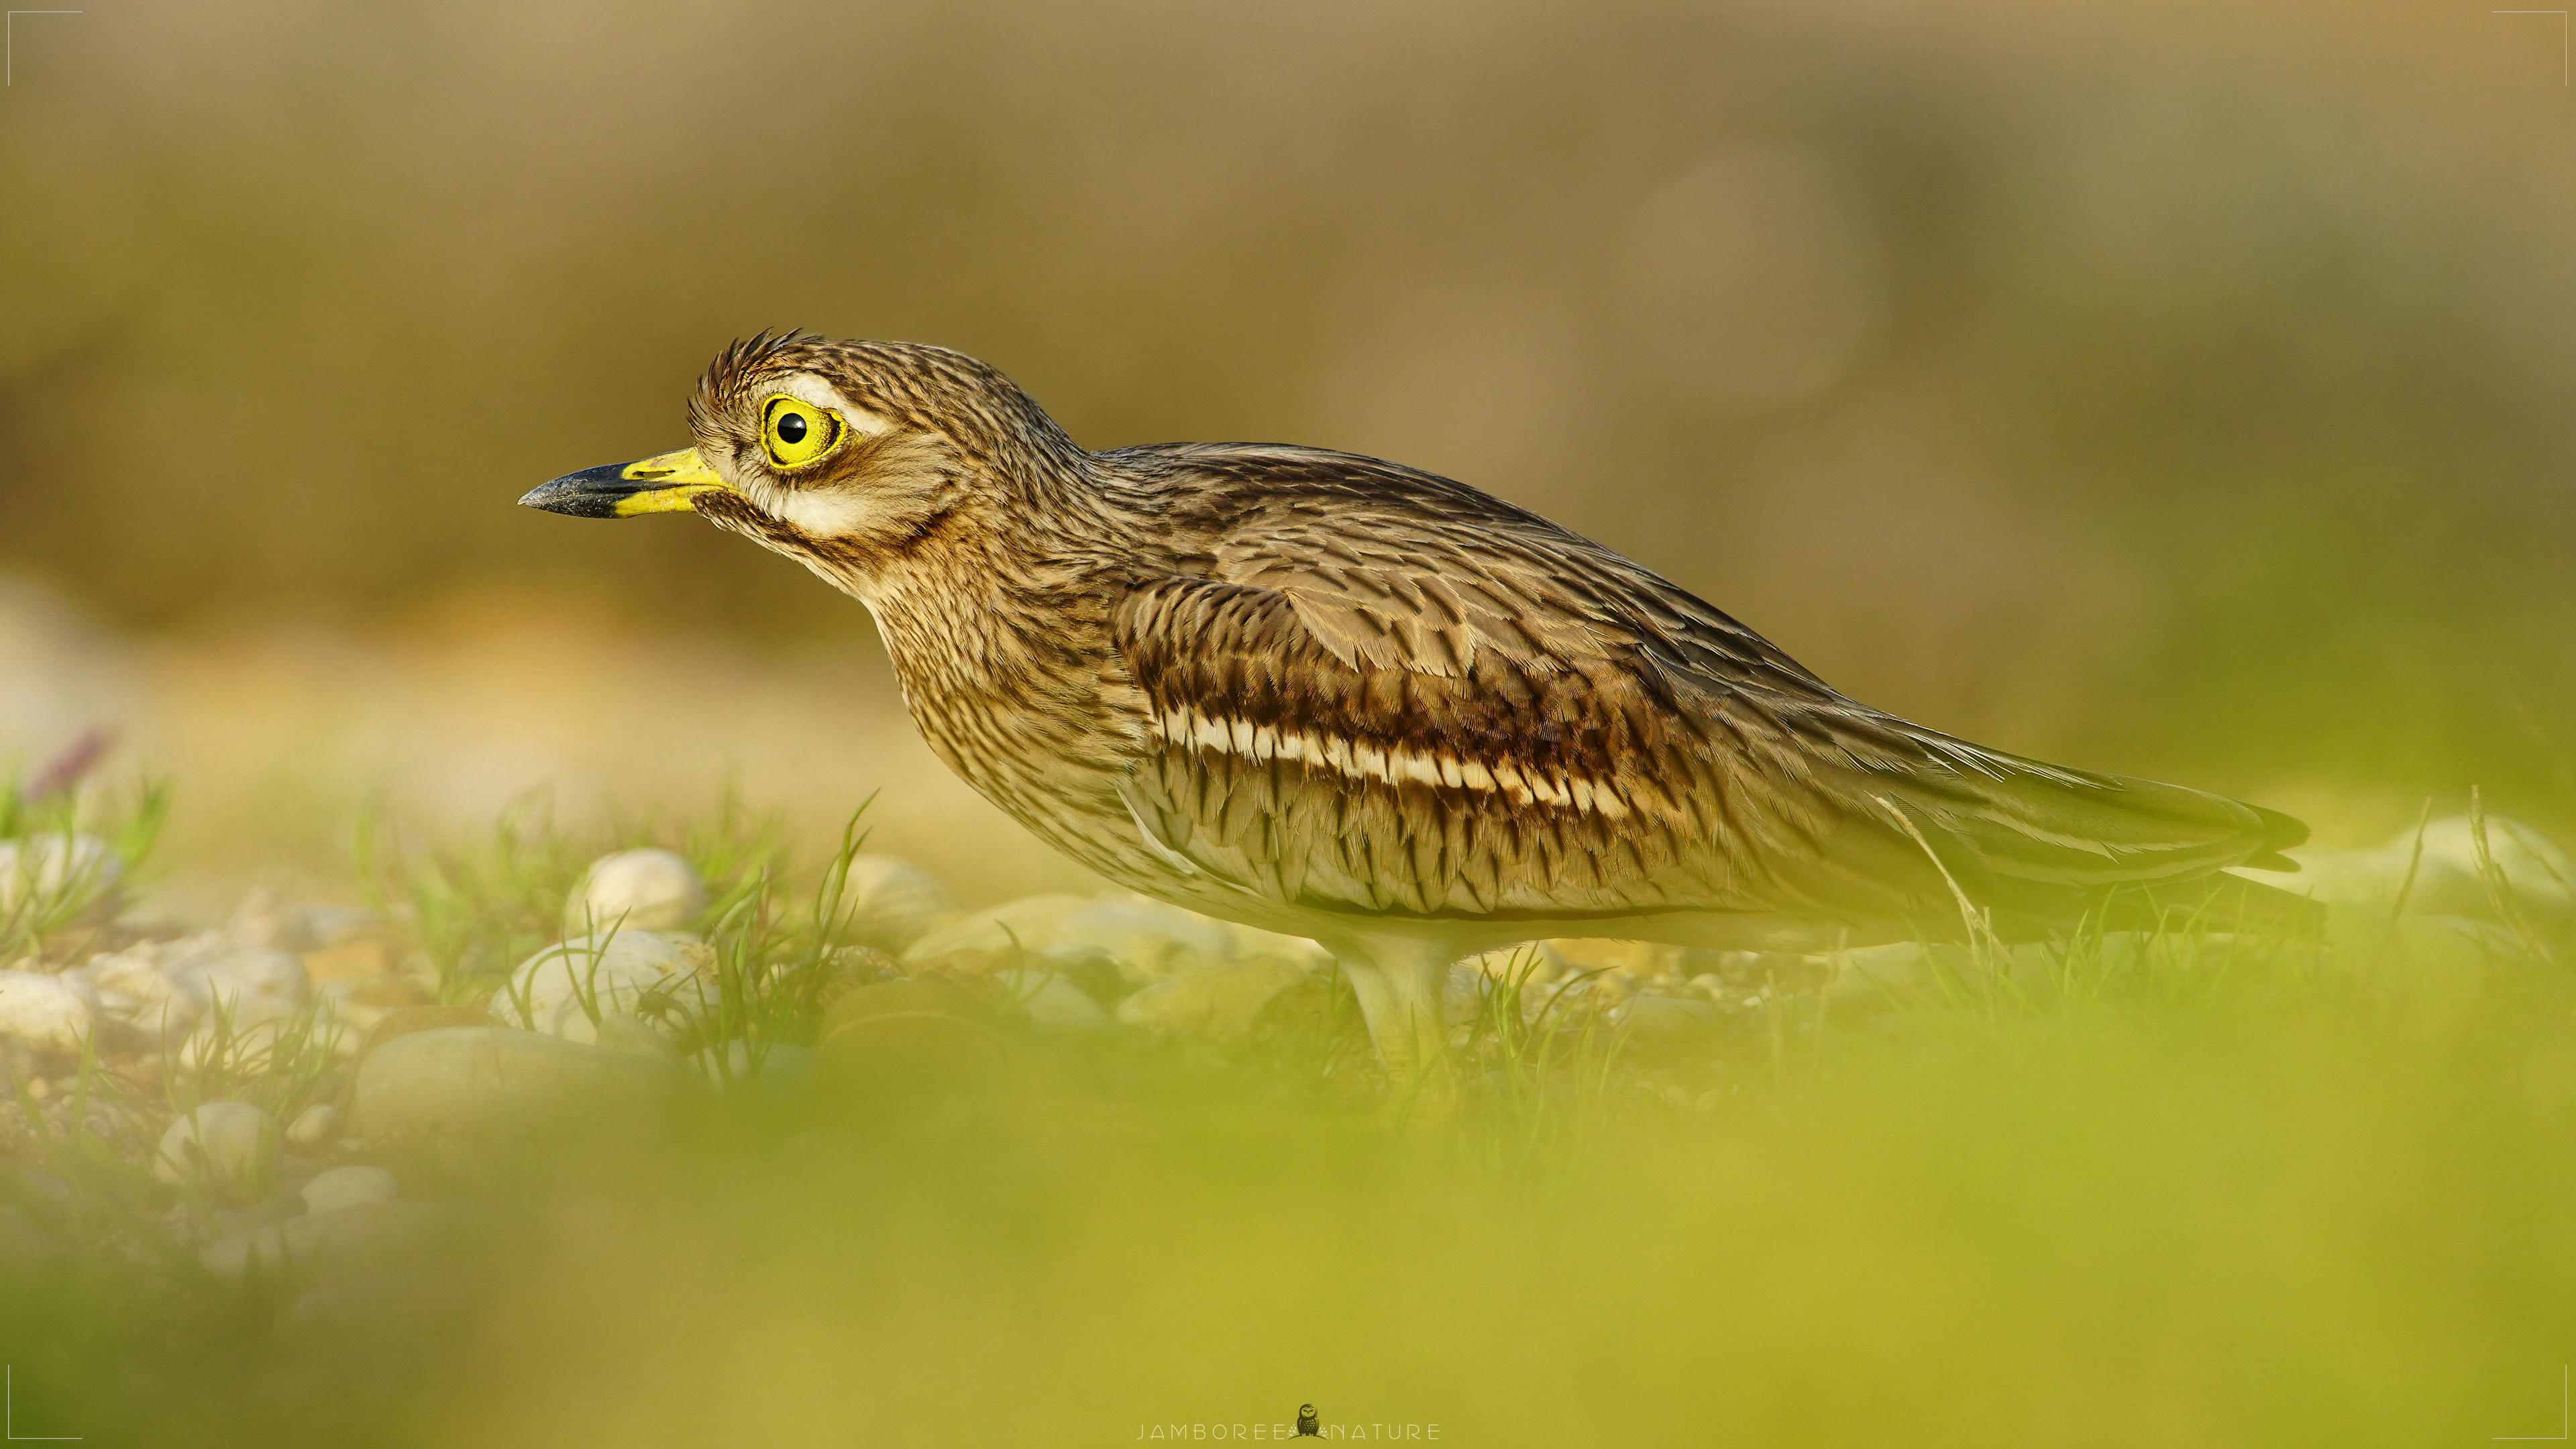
(563, 989)
(642, 890)
(362, 1247)
(223, 1147)
(1052, 1003)
(892, 902)
(57, 867)
(133, 987)
(464, 1097)
(341, 1187)
(43, 1012)
(1148, 939)
(1217, 1002)
(777, 1070)
(251, 984)
(313, 1126)
(2443, 874)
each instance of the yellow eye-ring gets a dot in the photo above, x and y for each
(796, 432)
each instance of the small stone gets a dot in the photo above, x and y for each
(1870, 970)
(641, 890)
(892, 902)
(998, 938)
(267, 918)
(1052, 1003)
(340, 1245)
(847, 969)
(1086, 966)
(2439, 965)
(2447, 877)
(341, 1187)
(227, 1149)
(919, 1034)
(264, 918)
(322, 926)
(2535, 872)
(360, 1005)
(231, 1250)
(313, 1128)
(247, 985)
(624, 1031)
(1637, 960)
(776, 1070)
(359, 958)
(404, 1021)
(132, 987)
(1147, 939)
(911, 1056)
(1214, 1002)
(904, 996)
(563, 990)
(460, 1099)
(74, 870)
(44, 1013)
(193, 1223)
(1569, 1003)
(1648, 1014)
(1535, 963)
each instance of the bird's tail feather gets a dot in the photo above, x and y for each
(1990, 815)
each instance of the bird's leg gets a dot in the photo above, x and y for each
(1401, 995)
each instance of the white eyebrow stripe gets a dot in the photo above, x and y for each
(810, 387)
(1182, 725)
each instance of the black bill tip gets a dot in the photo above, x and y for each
(590, 493)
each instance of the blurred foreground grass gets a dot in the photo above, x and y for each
(2218, 1192)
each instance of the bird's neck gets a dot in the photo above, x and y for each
(1001, 608)
(1001, 643)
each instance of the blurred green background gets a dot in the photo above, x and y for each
(2176, 388)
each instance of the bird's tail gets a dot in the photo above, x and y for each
(2220, 902)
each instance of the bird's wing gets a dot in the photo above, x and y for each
(1418, 700)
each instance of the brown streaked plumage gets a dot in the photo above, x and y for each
(1334, 696)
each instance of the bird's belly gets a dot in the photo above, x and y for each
(1059, 784)
(1066, 792)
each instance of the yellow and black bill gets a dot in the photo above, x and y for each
(664, 483)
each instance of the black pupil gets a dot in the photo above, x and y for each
(791, 428)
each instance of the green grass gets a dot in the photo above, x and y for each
(2185, 1190)
(478, 907)
(38, 908)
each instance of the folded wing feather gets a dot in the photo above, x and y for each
(1359, 708)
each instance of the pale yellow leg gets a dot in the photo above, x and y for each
(1403, 1001)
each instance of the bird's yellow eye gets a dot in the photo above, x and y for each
(796, 432)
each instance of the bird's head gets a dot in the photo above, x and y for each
(847, 456)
